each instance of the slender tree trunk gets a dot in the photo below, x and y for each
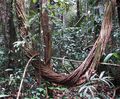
(118, 10)
(3, 21)
(11, 32)
(78, 9)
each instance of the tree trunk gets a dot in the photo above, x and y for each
(8, 29)
(78, 9)
(118, 10)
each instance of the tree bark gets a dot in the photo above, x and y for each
(8, 29)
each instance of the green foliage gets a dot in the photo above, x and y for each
(58, 88)
(19, 43)
(3, 96)
(34, 1)
(70, 39)
(113, 57)
(95, 84)
(3, 57)
(35, 94)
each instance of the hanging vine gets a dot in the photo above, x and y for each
(89, 64)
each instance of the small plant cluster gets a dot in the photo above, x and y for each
(97, 87)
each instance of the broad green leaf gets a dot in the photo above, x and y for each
(40, 89)
(93, 77)
(34, 1)
(101, 75)
(62, 0)
(91, 91)
(116, 55)
(1, 52)
(2, 96)
(85, 91)
(108, 57)
(58, 88)
(9, 69)
(82, 88)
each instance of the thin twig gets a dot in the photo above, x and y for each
(18, 95)
(79, 20)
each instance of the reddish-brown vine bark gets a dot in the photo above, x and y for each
(47, 37)
(88, 66)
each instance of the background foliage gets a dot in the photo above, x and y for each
(72, 38)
